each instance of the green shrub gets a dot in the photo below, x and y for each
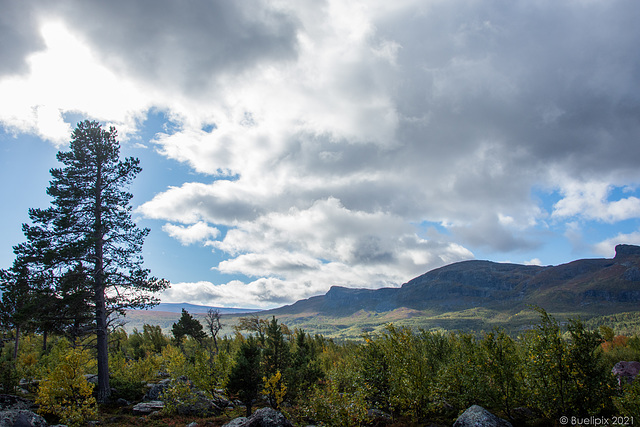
(65, 392)
(177, 396)
(460, 381)
(174, 361)
(129, 377)
(566, 374)
(28, 358)
(209, 372)
(414, 360)
(8, 376)
(628, 404)
(500, 364)
(328, 406)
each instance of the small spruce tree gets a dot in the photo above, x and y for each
(245, 378)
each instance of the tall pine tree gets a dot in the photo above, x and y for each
(88, 229)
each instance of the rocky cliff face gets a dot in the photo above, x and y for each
(623, 251)
(488, 284)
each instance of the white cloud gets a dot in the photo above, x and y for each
(261, 293)
(66, 77)
(590, 200)
(198, 232)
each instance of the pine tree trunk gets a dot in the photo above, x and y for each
(104, 390)
(15, 346)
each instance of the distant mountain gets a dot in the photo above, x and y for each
(171, 307)
(469, 296)
(477, 289)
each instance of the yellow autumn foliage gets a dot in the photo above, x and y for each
(65, 392)
(274, 389)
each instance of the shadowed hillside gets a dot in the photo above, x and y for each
(474, 295)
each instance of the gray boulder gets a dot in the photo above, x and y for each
(236, 422)
(377, 414)
(477, 416)
(91, 378)
(9, 401)
(21, 418)
(198, 405)
(145, 408)
(155, 390)
(221, 401)
(265, 417)
(626, 372)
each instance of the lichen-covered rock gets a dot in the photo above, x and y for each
(265, 417)
(199, 405)
(236, 422)
(155, 390)
(9, 401)
(477, 416)
(21, 418)
(144, 408)
(221, 401)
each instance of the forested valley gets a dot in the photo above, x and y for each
(399, 377)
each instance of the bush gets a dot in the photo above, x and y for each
(178, 396)
(327, 405)
(500, 367)
(629, 402)
(209, 372)
(175, 363)
(274, 389)
(129, 377)
(27, 361)
(460, 381)
(566, 376)
(414, 360)
(65, 392)
(8, 376)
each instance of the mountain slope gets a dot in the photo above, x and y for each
(588, 287)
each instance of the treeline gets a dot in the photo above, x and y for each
(404, 375)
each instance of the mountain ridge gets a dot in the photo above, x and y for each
(478, 283)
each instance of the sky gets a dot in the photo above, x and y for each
(290, 146)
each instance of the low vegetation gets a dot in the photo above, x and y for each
(408, 376)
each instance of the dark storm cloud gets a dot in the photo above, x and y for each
(186, 44)
(490, 232)
(19, 36)
(556, 81)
